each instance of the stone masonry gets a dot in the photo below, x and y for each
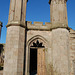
(54, 42)
(15, 40)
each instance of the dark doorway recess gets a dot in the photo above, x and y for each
(33, 61)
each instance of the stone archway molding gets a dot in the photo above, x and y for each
(40, 38)
(29, 43)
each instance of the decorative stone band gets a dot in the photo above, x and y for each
(38, 25)
(59, 25)
(57, 1)
(16, 23)
(47, 27)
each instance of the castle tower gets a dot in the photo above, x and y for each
(15, 40)
(58, 11)
(60, 37)
(37, 48)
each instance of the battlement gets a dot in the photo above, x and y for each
(72, 33)
(38, 25)
(47, 26)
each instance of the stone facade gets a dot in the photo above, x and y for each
(15, 40)
(53, 42)
(72, 51)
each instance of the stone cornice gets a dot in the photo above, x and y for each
(59, 25)
(15, 23)
(50, 1)
(38, 25)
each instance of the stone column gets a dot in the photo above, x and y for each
(60, 37)
(58, 11)
(15, 40)
(60, 51)
(17, 12)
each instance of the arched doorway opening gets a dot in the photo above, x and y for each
(35, 56)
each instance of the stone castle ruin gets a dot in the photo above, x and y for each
(37, 49)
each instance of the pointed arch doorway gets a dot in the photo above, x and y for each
(36, 60)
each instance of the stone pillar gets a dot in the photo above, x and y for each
(15, 40)
(58, 11)
(60, 51)
(17, 11)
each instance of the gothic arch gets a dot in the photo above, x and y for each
(40, 39)
(43, 43)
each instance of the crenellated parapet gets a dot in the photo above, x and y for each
(48, 26)
(38, 26)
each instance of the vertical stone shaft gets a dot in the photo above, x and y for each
(58, 11)
(15, 40)
(17, 11)
(60, 48)
(60, 37)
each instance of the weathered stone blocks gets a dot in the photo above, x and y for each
(14, 52)
(60, 51)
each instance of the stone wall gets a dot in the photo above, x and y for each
(14, 51)
(47, 27)
(57, 51)
(1, 72)
(60, 51)
(72, 51)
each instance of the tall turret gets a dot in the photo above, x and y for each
(60, 37)
(58, 11)
(17, 12)
(15, 40)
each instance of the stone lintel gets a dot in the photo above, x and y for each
(48, 26)
(16, 23)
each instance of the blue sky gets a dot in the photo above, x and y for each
(37, 10)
